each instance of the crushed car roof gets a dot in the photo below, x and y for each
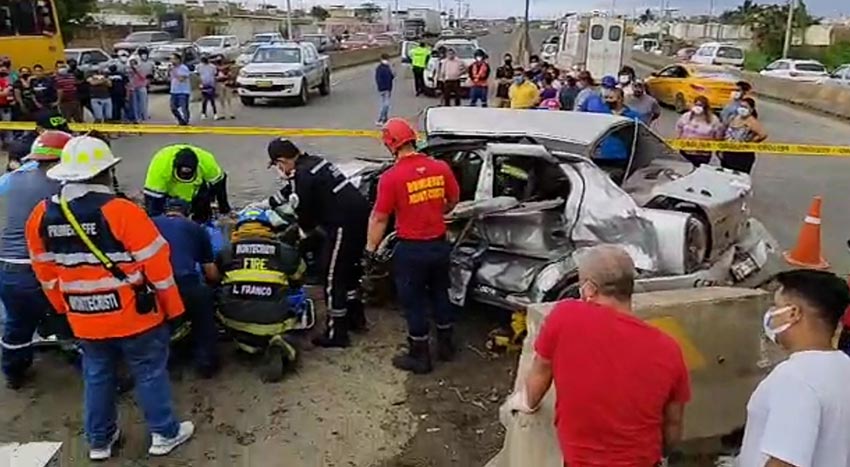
(575, 127)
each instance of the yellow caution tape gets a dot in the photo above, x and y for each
(688, 145)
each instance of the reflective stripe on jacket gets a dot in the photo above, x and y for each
(99, 305)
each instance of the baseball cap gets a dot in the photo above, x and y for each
(282, 148)
(609, 82)
(51, 120)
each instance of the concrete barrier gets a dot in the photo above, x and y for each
(350, 58)
(824, 98)
(719, 330)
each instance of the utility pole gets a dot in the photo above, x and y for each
(525, 48)
(289, 19)
(789, 28)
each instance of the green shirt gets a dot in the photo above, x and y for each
(160, 180)
(419, 56)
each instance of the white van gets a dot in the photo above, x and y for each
(716, 53)
(593, 43)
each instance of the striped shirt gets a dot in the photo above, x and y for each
(67, 83)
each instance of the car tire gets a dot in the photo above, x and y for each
(680, 105)
(247, 101)
(567, 287)
(325, 87)
(304, 97)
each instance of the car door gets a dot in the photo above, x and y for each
(778, 69)
(312, 65)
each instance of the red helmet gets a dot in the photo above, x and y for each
(48, 146)
(397, 132)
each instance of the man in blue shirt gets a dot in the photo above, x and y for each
(191, 253)
(384, 77)
(181, 89)
(612, 146)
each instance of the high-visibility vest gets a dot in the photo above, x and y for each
(419, 56)
(257, 273)
(161, 182)
(99, 305)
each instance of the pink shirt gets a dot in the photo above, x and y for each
(692, 126)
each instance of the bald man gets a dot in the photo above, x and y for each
(620, 384)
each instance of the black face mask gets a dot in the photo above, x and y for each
(3, 74)
(25, 76)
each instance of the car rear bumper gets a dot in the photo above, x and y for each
(269, 88)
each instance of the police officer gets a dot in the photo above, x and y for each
(419, 57)
(418, 191)
(326, 200)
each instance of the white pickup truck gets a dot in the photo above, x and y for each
(282, 71)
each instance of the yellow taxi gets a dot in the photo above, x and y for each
(679, 84)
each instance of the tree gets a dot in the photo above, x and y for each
(741, 14)
(646, 17)
(73, 14)
(768, 25)
(319, 13)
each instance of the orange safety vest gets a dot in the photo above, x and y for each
(479, 72)
(99, 305)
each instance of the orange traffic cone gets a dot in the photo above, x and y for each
(807, 253)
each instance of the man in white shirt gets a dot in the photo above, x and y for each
(799, 416)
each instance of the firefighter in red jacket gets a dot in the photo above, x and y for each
(101, 261)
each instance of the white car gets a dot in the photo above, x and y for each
(798, 70)
(839, 77)
(716, 53)
(285, 70)
(268, 37)
(226, 47)
(464, 50)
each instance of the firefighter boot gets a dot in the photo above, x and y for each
(417, 359)
(446, 349)
(336, 331)
(357, 315)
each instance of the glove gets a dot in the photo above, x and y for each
(369, 261)
(518, 402)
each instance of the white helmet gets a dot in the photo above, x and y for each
(83, 158)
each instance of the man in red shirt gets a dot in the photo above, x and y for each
(621, 385)
(66, 84)
(418, 191)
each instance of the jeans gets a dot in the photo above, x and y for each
(118, 112)
(101, 109)
(421, 270)
(140, 104)
(180, 108)
(477, 93)
(5, 116)
(26, 308)
(200, 309)
(386, 96)
(146, 355)
(208, 98)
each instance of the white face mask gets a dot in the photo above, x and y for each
(478, 59)
(737, 95)
(697, 109)
(625, 79)
(772, 333)
(744, 111)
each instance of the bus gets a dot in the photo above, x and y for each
(29, 33)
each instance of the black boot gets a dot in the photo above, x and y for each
(416, 360)
(446, 349)
(357, 316)
(336, 333)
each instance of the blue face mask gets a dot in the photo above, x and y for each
(519, 80)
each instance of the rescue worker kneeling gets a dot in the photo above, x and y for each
(101, 260)
(259, 273)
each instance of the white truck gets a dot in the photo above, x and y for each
(424, 21)
(592, 42)
(282, 71)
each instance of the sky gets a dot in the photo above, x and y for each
(556, 8)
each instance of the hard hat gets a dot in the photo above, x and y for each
(83, 158)
(396, 133)
(51, 120)
(253, 215)
(48, 146)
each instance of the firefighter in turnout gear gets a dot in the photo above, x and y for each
(259, 273)
(326, 200)
(101, 261)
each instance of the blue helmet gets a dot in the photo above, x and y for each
(253, 215)
(178, 205)
(609, 82)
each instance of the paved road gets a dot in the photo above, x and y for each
(784, 185)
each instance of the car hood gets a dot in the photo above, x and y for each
(270, 67)
(211, 49)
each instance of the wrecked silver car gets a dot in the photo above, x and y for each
(538, 187)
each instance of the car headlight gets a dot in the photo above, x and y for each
(293, 73)
(243, 73)
(696, 243)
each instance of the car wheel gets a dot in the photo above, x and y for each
(325, 87)
(304, 97)
(568, 287)
(680, 105)
(247, 101)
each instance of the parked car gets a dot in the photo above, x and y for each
(268, 37)
(716, 53)
(226, 47)
(89, 59)
(136, 40)
(323, 42)
(516, 238)
(840, 77)
(678, 85)
(161, 56)
(358, 40)
(464, 49)
(684, 54)
(797, 70)
(286, 70)
(549, 52)
(385, 39)
(247, 52)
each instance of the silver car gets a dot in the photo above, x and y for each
(538, 187)
(839, 77)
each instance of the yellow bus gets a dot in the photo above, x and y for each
(29, 33)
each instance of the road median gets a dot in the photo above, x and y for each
(350, 58)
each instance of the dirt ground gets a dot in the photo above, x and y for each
(340, 408)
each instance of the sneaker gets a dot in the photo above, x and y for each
(203, 116)
(233, 117)
(217, 118)
(104, 453)
(160, 445)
